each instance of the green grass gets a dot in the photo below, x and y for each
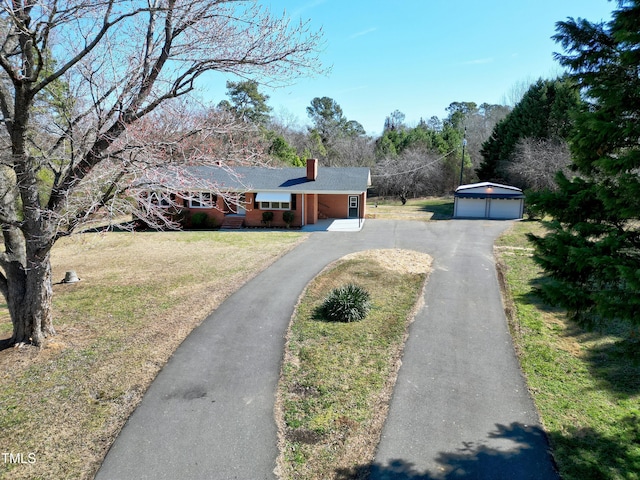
(139, 296)
(336, 376)
(586, 384)
(432, 208)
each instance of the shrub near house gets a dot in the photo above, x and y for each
(267, 218)
(288, 217)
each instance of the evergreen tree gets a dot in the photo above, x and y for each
(394, 141)
(544, 112)
(333, 129)
(327, 117)
(592, 253)
(459, 112)
(281, 149)
(247, 101)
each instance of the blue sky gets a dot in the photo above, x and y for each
(418, 56)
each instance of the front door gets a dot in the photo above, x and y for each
(354, 202)
(240, 207)
(236, 204)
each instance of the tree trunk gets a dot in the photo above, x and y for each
(27, 234)
(29, 299)
(26, 284)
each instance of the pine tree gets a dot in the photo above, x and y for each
(592, 253)
(544, 112)
(248, 102)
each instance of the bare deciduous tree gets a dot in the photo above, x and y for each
(536, 162)
(353, 151)
(415, 172)
(478, 129)
(80, 85)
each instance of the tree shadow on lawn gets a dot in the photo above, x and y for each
(586, 454)
(439, 211)
(615, 363)
(535, 298)
(526, 458)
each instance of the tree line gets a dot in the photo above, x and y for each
(524, 145)
(419, 160)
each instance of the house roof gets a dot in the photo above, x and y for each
(262, 179)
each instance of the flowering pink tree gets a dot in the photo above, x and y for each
(88, 95)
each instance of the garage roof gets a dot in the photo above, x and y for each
(488, 190)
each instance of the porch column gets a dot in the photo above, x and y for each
(312, 208)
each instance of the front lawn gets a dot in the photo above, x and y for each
(139, 296)
(586, 384)
(423, 209)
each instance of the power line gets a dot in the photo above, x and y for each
(415, 169)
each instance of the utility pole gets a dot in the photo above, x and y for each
(464, 144)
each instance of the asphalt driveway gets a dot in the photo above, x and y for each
(460, 408)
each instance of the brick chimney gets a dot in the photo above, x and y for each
(312, 168)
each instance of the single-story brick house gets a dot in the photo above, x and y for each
(311, 193)
(488, 200)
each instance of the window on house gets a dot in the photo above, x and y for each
(161, 199)
(202, 200)
(274, 201)
(275, 205)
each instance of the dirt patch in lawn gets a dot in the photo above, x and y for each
(397, 260)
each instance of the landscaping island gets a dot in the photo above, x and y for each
(337, 378)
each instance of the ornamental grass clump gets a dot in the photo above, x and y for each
(348, 303)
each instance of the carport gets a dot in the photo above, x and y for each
(488, 200)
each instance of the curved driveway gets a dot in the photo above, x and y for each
(460, 408)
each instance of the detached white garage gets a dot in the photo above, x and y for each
(488, 200)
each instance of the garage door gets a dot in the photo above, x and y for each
(504, 208)
(471, 207)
